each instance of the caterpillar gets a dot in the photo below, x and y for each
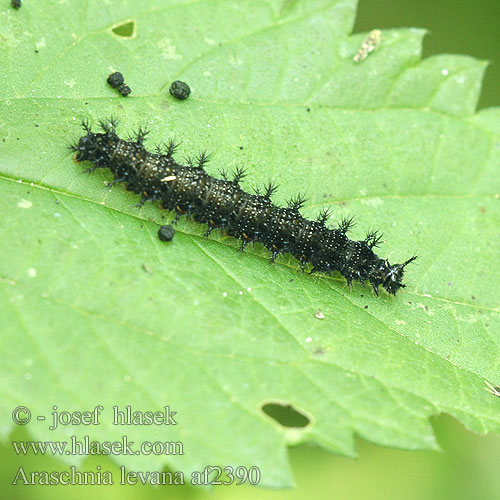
(221, 203)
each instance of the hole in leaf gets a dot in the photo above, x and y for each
(125, 29)
(286, 415)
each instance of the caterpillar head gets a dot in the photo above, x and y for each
(393, 276)
(95, 147)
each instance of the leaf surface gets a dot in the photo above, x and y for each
(97, 310)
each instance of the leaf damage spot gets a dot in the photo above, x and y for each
(125, 29)
(319, 314)
(168, 49)
(372, 202)
(41, 44)
(25, 204)
(370, 44)
(286, 414)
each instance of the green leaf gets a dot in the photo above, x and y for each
(97, 310)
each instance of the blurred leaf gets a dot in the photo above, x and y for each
(97, 310)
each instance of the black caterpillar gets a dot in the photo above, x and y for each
(221, 203)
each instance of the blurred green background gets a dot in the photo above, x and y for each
(468, 467)
(455, 27)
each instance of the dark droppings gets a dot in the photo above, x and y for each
(180, 90)
(124, 90)
(166, 233)
(115, 79)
